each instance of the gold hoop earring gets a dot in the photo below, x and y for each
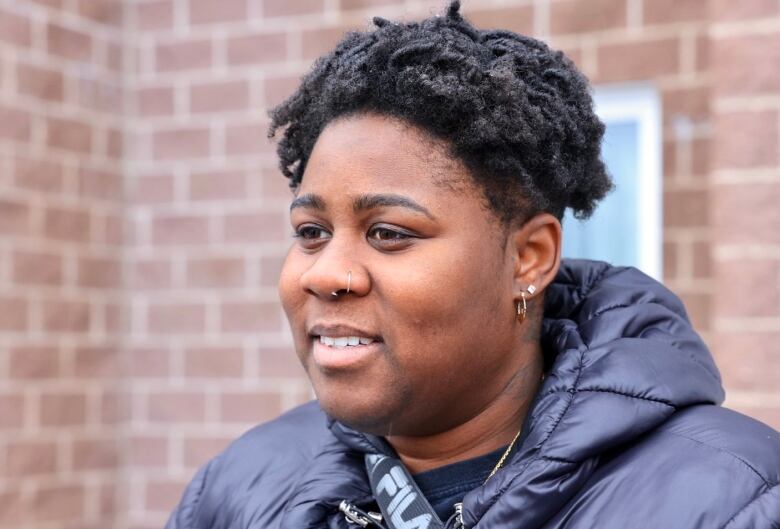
(522, 312)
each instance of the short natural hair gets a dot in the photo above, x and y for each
(517, 114)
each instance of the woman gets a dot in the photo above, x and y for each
(465, 377)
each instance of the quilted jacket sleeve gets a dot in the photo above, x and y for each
(761, 513)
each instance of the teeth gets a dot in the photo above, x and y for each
(345, 341)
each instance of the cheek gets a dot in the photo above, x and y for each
(291, 295)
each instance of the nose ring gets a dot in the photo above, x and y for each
(335, 293)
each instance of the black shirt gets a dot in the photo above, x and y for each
(445, 486)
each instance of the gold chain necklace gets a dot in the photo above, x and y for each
(504, 456)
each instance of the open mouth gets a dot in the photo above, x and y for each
(345, 341)
(334, 353)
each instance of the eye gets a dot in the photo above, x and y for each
(388, 238)
(311, 235)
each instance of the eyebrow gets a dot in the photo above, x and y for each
(364, 202)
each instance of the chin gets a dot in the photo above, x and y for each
(365, 411)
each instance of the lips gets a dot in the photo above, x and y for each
(338, 347)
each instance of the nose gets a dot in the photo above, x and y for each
(334, 271)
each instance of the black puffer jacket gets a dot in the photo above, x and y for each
(626, 432)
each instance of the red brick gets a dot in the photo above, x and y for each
(251, 407)
(760, 226)
(579, 16)
(147, 451)
(66, 224)
(222, 185)
(114, 60)
(518, 19)
(114, 143)
(106, 12)
(729, 11)
(113, 229)
(34, 362)
(30, 458)
(735, 68)
(14, 217)
(152, 189)
(96, 362)
(275, 184)
(107, 502)
(280, 363)
(692, 103)
(702, 260)
(12, 512)
(674, 11)
(97, 184)
(66, 316)
(198, 451)
(219, 97)
(316, 42)
(216, 272)
(275, 8)
(100, 95)
(15, 125)
(58, 503)
(670, 160)
(42, 83)
(638, 60)
(11, 411)
(39, 174)
(176, 407)
(214, 362)
(183, 229)
(154, 15)
(37, 268)
(703, 45)
(748, 360)
(151, 274)
(113, 408)
(149, 362)
(257, 49)
(754, 288)
(685, 208)
(187, 55)
(99, 272)
(14, 29)
(250, 317)
(247, 139)
(95, 454)
(746, 139)
(181, 143)
(69, 134)
(255, 227)
(112, 318)
(163, 495)
(63, 409)
(278, 89)
(699, 307)
(208, 11)
(13, 314)
(176, 318)
(700, 157)
(68, 43)
(270, 270)
(156, 101)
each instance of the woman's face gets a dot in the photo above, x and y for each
(430, 298)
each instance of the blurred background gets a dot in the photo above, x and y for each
(143, 222)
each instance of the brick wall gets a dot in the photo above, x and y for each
(745, 198)
(143, 221)
(60, 262)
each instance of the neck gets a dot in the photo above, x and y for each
(495, 426)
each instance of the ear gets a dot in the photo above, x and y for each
(536, 250)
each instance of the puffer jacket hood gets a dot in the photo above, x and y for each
(623, 364)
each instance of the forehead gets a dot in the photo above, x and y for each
(373, 153)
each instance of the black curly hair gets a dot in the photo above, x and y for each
(517, 114)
